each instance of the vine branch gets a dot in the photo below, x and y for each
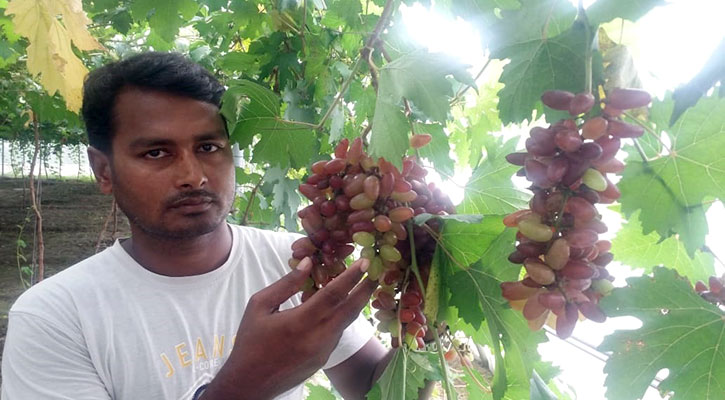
(245, 217)
(364, 54)
(34, 201)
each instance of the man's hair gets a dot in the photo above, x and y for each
(165, 72)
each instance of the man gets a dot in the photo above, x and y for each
(171, 312)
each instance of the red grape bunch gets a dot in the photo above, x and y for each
(716, 293)
(358, 200)
(557, 238)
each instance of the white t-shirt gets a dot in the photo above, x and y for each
(107, 328)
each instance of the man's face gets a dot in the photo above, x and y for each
(171, 167)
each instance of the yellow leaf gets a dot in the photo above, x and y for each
(51, 26)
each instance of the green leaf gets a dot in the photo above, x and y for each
(438, 150)
(539, 390)
(670, 189)
(680, 331)
(420, 219)
(318, 392)
(505, 329)
(286, 201)
(635, 249)
(534, 21)
(541, 64)
(252, 109)
(420, 78)
(405, 375)
(165, 17)
(606, 10)
(466, 242)
(490, 189)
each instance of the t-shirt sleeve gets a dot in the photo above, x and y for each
(353, 339)
(41, 361)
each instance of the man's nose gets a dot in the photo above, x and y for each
(190, 173)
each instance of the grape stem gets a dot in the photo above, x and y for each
(444, 367)
(463, 91)
(253, 193)
(582, 17)
(414, 259)
(650, 131)
(467, 367)
(364, 54)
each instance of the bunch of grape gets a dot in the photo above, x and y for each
(557, 236)
(716, 293)
(358, 200)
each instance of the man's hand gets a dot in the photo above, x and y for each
(277, 350)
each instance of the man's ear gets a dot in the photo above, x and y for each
(101, 165)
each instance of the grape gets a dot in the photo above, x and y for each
(581, 103)
(363, 215)
(400, 214)
(364, 239)
(577, 269)
(581, 238)
(309, 191)
(334, 166)
(390, 253)
(609, 146)
(539, 272)
(404, 197)
(556, 169)
(361, 201)
(533, 308)
(411, 299)
(566, 321)
(354, 185)
(419, 140)
(568, 140)
(341, 148)
(557, 99)
(602, 286)
(517, 158)
(558, 254)
(594, 128)
(589, 151)
(580, 208)
(382, 223)
(625, 99)
(592, 311)
(594, 179)
(516, 290)
(401, 185)
(406, 315)
(700, 287)
(535, 231)
(513, 219)
(552, 300)
(371, 187)
(622, 129)
(355, 152)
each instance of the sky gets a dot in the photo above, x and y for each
(669, 46)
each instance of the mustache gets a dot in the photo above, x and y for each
(194, 194)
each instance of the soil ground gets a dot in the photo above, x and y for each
(73, 213)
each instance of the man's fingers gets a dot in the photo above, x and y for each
(277, 293)
(356, 300)
(337, 290)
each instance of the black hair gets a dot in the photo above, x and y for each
(166, 72)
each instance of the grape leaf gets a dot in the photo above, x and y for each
(438, 150)
(533, 21)
(680, 331)
(504, 329)
(420, 219)
(252, 109)
(538, 65)
(405, 375)
(635, 249)
(421, 78)
(49, 53)
(165, 17)
(286, 201)
(671, 188)
(606, 10)
(318, 392)
(539, 390)
(466, 242)
(490, 189)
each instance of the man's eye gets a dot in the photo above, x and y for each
(208, 147)
(155, 153)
